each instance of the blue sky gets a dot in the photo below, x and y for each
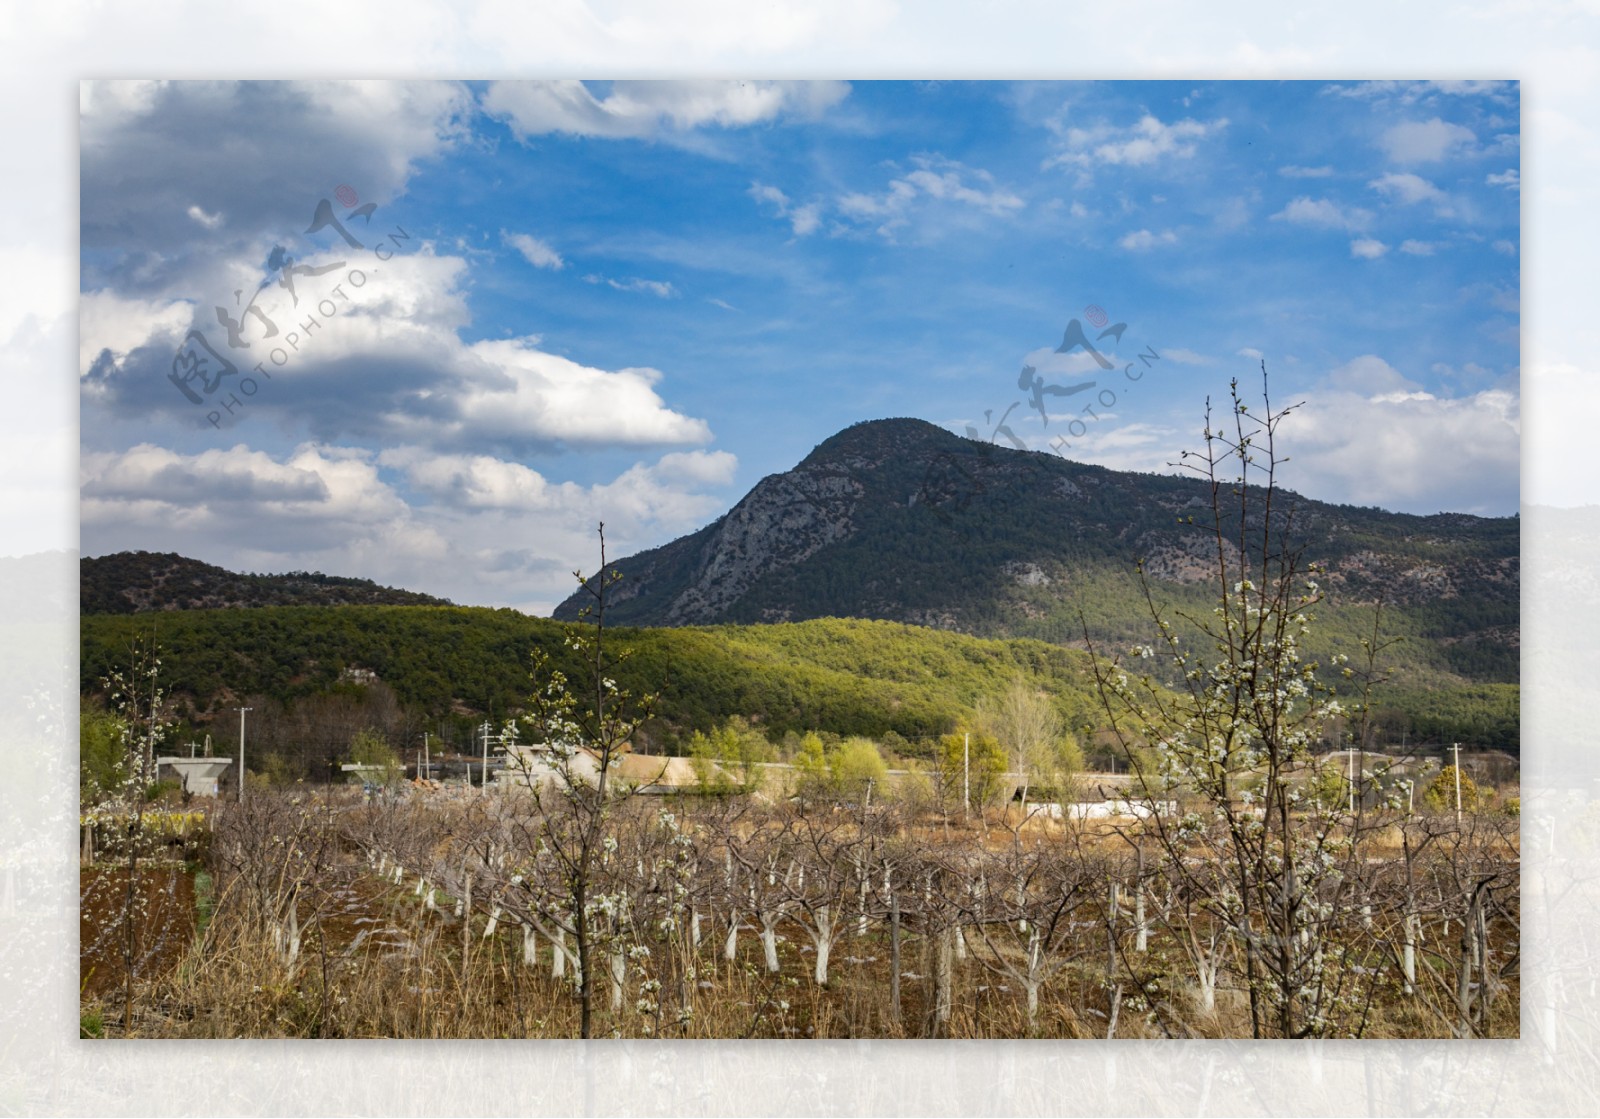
(632, 301)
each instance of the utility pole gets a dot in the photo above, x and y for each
(1456, 747)
(966, 774)
(242, 710)
(427, 762)
(1352, 775)
(483, 774)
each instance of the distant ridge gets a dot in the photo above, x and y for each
(140, 582)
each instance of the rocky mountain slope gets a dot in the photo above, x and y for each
(900, 520)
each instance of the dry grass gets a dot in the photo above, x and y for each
(375, 962)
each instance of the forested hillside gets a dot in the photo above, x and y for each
(321, 673)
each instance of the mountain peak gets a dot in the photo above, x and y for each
(872, 438)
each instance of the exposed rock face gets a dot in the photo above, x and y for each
(784, 521)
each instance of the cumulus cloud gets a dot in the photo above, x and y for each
(1367, 248)
(238, 495)
(1324, 213)
(1428, 141)
(1296, 172)
(1418, 248)
(1369, 374)
(163, 162)
(1510, 178)
(645, 109)
(534, 251)
(456, 525)
(1144, 142)
(1410, 189)
(1366, 435)
(937, 182)
(1143, 239)
(390, 364)
(1410, 451)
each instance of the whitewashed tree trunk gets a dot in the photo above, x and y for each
(961, 943)
(530, 946)
(619, 973)
(1141, 926)
(1408, 958)
(822, 933)
(694, 927)
(730, 946)
(558, 954)
(494, 922)
(769, 941)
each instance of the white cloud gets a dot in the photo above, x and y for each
(1426, 141)
(1510, 178)
(439, 523)
(1252, 353)
(661, 289)
(1406, 187)
(1509, 248)
(389, 366)
(1324, 213)
(803, 220)
(209, 221)
(227, 492)
(534, 251)
(1418, 248)
(1295, 172)
(1410, 92)
(1185, 357)
(935, 181)
(1407, 450)
(1136, 145)
(1143, 239)
(108, 322)
(1369, 374)
(644, 109)
(1367, 248)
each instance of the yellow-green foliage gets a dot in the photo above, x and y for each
(1441, 795)
(979, 766)
(368, 747)
(100, 752)
(854, 763)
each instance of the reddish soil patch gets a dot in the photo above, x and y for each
(163, 926)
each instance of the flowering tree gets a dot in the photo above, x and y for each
(585, 726)
(1257, 857)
